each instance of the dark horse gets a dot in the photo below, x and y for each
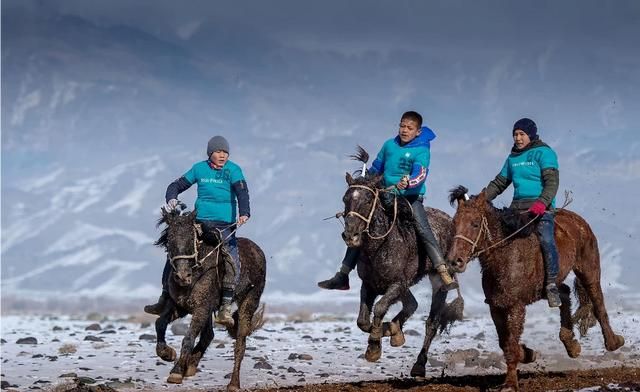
(390, 263)
(513, 274)
(195, 288)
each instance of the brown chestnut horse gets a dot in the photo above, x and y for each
(513, 274)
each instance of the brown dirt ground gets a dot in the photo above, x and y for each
(625, 377)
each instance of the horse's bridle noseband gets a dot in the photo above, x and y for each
(367, 220)
(484, 228)
(197, 231)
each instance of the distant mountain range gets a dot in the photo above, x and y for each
(98, 120)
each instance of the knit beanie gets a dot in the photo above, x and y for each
(217, 143)
(527, 126)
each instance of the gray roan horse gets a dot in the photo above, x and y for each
(195, 288)
(390, 263)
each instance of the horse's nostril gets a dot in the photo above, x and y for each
(344, 236)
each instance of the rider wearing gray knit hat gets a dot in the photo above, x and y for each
(221, 188)
(217, 143)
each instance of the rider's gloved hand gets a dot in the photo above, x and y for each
(171, 205)
(538, 208)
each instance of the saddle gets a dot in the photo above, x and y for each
(513, 219)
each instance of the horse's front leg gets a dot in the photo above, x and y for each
(374, 349)
(394, 328)
(438, 305)
(509, 325)
(206, 336)
(198, 321)
(163, 350)
(367, 296)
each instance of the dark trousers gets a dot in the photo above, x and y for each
(545, 231)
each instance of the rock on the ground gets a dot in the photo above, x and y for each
(27, 340)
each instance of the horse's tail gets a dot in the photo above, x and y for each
(583, 316)
(257, 321)
(452, 312)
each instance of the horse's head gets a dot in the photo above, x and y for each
(359, 204)
(181, 240)
(469, 224)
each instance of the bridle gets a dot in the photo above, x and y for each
(197, 232)
(367, 220)
(484, 228)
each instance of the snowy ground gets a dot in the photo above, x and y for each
(121, 354)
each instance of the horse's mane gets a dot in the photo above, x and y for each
(163, 240)
(510, 219)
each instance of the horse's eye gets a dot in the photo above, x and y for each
(475, 225)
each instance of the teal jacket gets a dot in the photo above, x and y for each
(220, 191)
(395, 161)
(534, 172)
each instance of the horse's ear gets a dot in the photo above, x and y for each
(377, 179)
(349, 179)
(166, 216)
(482, 197)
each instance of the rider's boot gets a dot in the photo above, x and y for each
(448, 282)
(158, 307)
(224, 316)
(553, 295)
(340, 280)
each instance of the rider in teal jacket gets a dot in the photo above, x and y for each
(222, 190)
(403, 161)
(532, 168)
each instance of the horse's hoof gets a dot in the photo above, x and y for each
(374, 352)
(418, 370)
(365, 327)
(575, 350)
(397, 340)
(618, 342)
(508, 388)
(166, 353)
(233, 388)
(386, 329)
(191, 371)
(529, 355)
(174, 378)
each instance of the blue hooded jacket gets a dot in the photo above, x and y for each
(395, 161)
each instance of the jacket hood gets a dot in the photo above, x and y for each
(424, 139)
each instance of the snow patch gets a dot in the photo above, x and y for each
(85, 233)
(134, 199)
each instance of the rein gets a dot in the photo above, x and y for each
(367, 220)
(196, 232)
(484, 228)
